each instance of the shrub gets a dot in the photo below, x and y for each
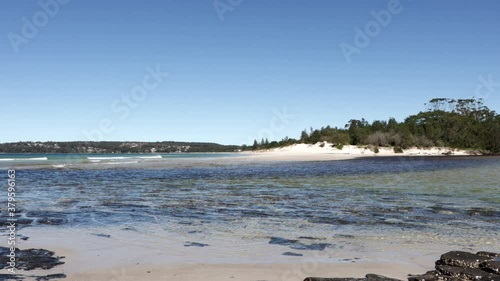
(339, 146)
(398, 149)
(376, 150)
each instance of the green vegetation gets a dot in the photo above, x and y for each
(463, 124)
(114, 147)
(398, 149)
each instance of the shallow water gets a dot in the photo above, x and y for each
(97, 161)
(351, 204)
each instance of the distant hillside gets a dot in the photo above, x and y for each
(114, 147)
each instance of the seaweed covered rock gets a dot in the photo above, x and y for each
(30, 259)
(464, 266)
(463, 259)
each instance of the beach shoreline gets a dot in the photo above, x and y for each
(294, 153)
(91, 257)
(324, 151)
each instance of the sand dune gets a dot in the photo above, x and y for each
(326, 151)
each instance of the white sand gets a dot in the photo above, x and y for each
(325, 151)
(88, 257)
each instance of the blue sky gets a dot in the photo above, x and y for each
(228, 78)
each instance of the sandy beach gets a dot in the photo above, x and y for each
(327, 152)
(89, 257)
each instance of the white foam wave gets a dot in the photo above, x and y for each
(105, 158)
(25, 159)
(150, 157)
(122, 162)
(124, 157)
(34, 159)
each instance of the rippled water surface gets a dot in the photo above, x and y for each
(456, 199)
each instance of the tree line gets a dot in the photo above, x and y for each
(114, 147)
(461, 123)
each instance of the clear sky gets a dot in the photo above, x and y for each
(68, 67)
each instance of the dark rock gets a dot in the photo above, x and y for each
(11, 277)
(102, 235)
(37, 278)
(462, 259)
(428, 276)
(51, 276)
(129, 229)
(282, 241)
(463, 273)
(30, 259)
(485, 212)
(463, 266)
(311, 247)
(344, 236)
(333, 279)
(488, 254)
(195, 244)
(50, 221)
(296, 245)
(48, 217)
(491, 266)
(369, 277)
(19, 222)
(453, 266)
(292, 254)
(375, 277)
(310, 238)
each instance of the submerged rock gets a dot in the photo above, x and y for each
(297, 245)
(290, 254)
(102, 235)
(310, 238)
(195, 244)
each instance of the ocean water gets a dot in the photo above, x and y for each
(375, 203)
(97, 161)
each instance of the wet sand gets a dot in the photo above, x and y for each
(142, 256)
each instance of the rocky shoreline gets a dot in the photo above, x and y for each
(452, 266)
